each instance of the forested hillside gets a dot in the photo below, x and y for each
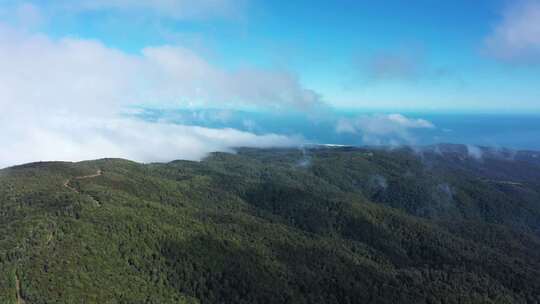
(439, 224)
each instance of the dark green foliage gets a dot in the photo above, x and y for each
(265, 226)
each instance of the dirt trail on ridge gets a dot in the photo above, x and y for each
(66, 183)
(20, 299)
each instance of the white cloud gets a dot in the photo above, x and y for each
(180, 72)
(517, 37)
(388, 129)
(70, 74)
(61, 99)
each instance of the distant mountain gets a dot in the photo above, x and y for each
(325, 224)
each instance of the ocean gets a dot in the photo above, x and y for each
(513, 131)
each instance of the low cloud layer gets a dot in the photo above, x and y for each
(73, 139)
(516, 38)
(387, 129)
(63, 99)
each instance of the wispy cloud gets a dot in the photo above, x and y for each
(171, 9)
(383, 129)
(406, 64)
(516, 38)
(474, 152)
(24, 15)
(395, 66)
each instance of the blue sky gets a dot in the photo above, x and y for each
(364, 67)
(329, 45)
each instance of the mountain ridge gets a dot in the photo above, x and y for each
(325, 225)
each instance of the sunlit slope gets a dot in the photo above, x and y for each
(323, 225)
